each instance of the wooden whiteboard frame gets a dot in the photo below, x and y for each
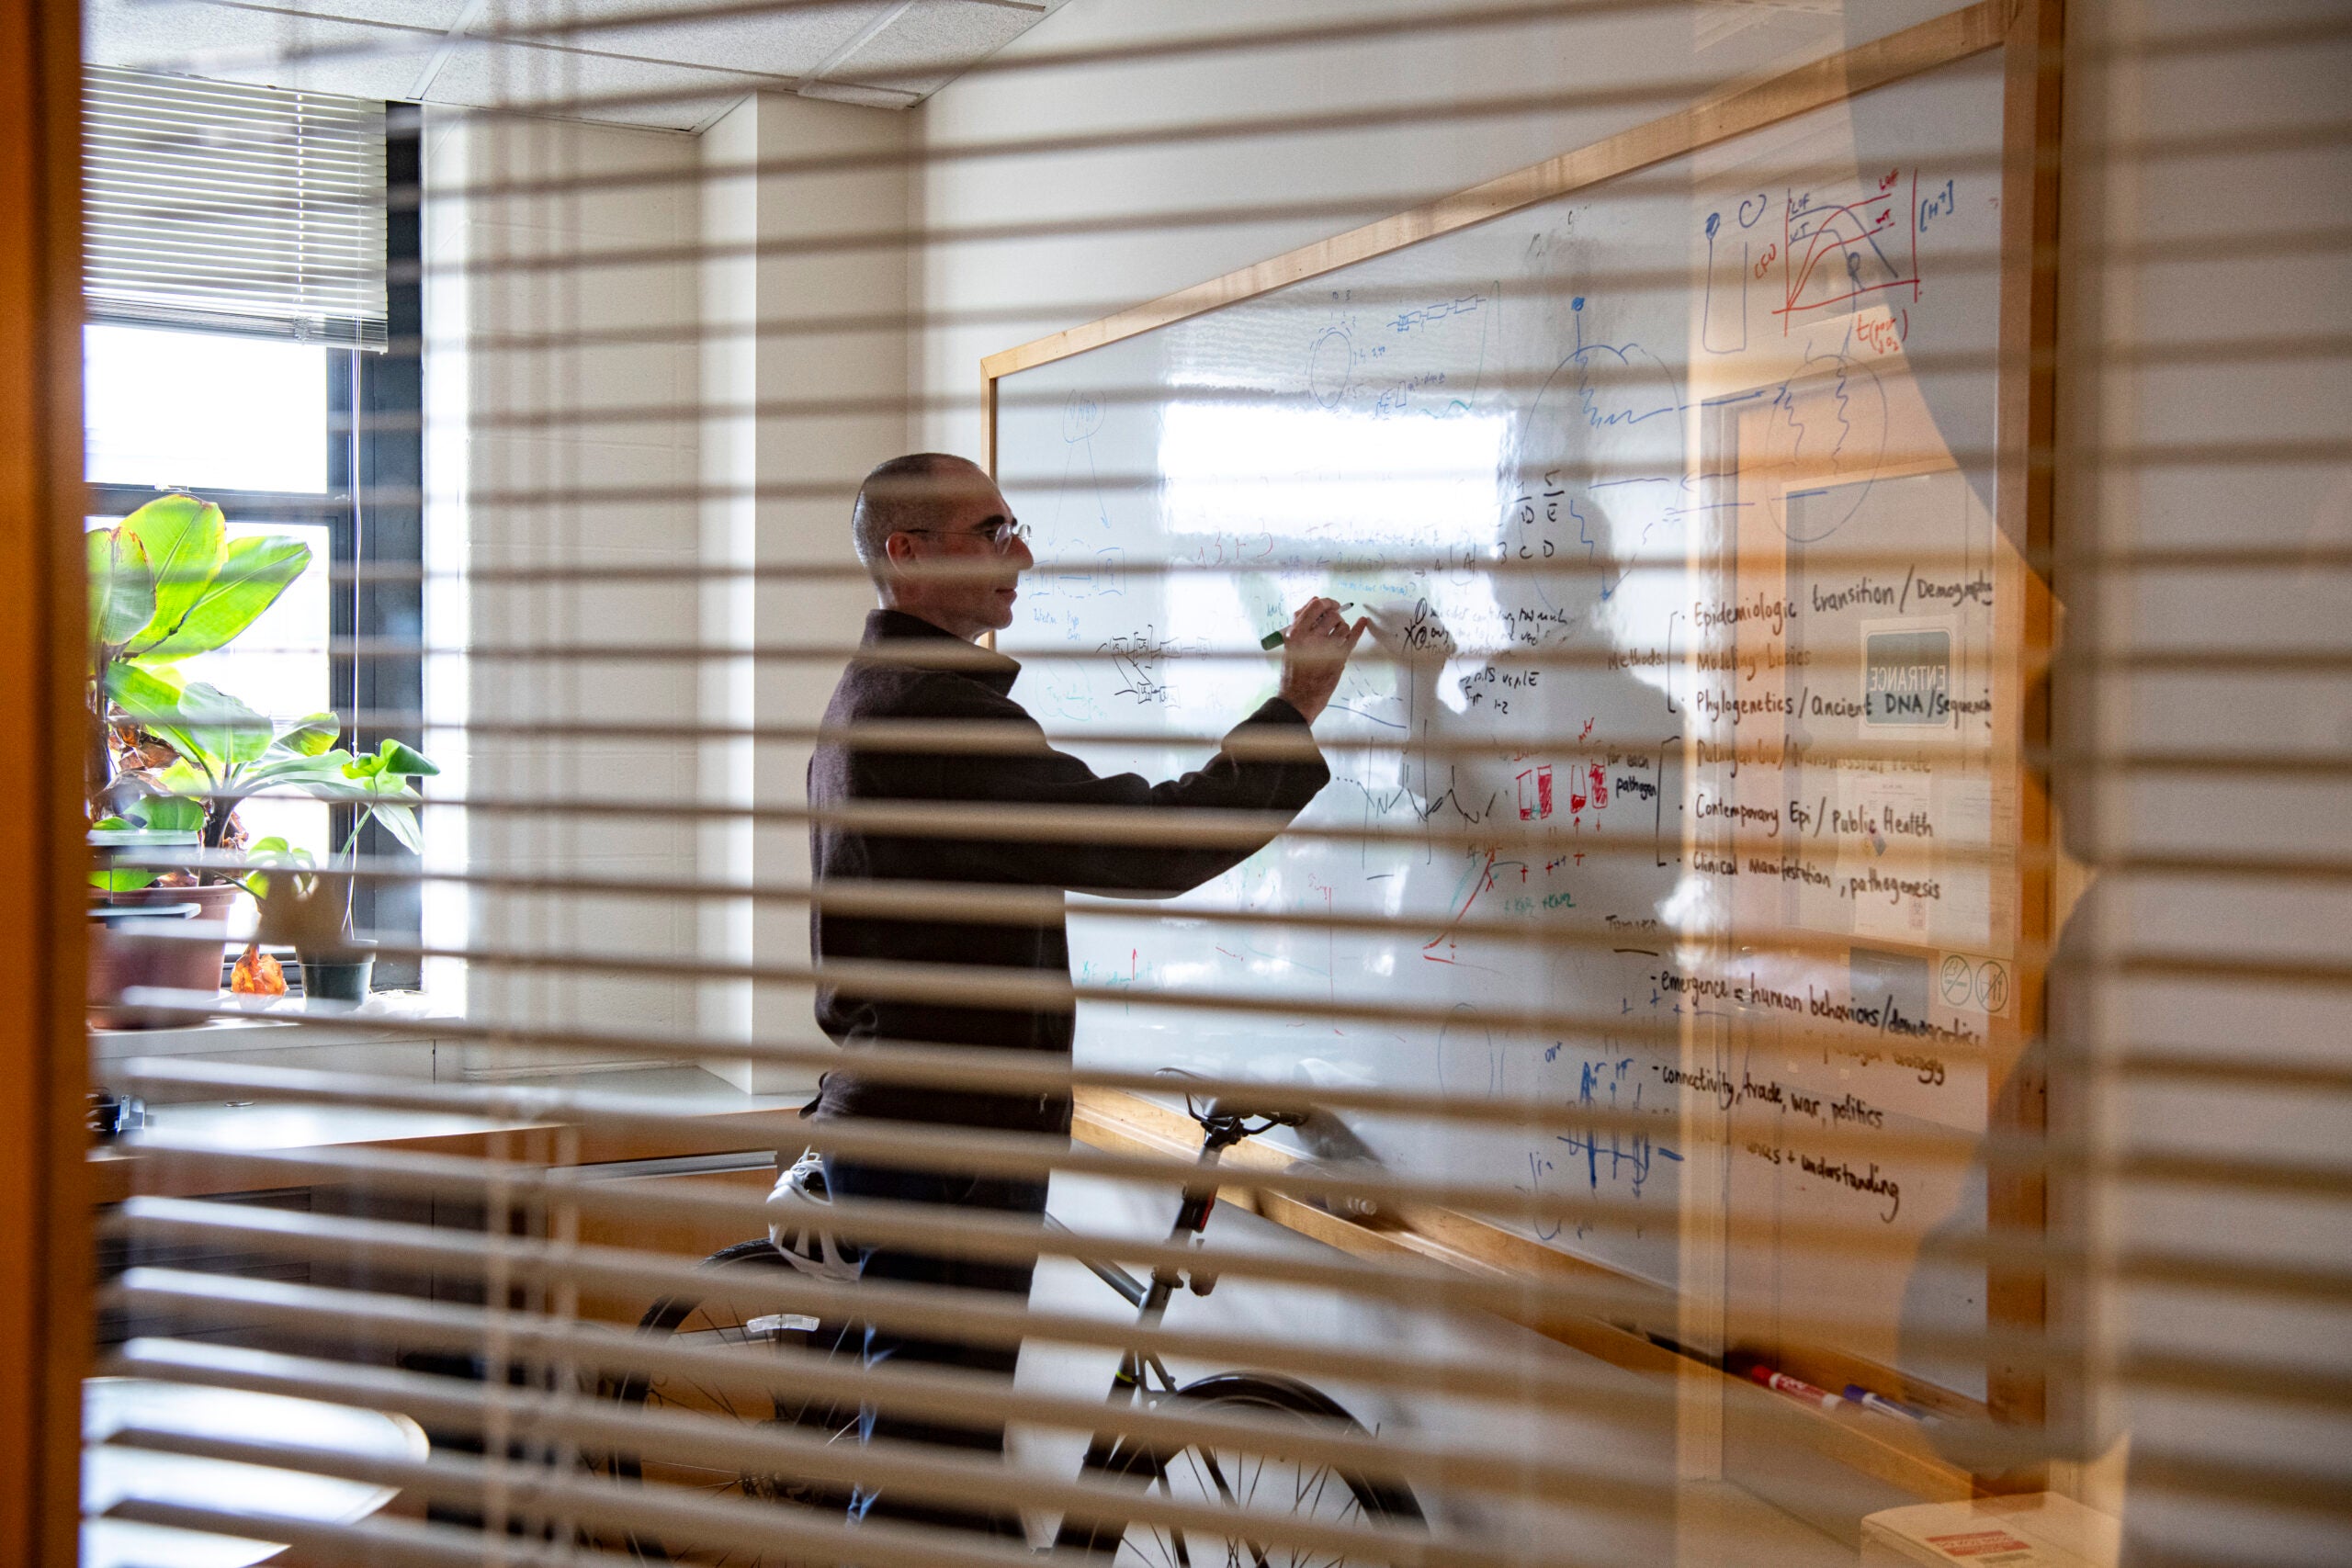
(2028, 32)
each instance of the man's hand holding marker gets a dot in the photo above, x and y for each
(1315, 651)
(1274, 639)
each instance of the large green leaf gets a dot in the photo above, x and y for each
(310, 735)
(150, 698)
(109, 878)
(122, 591)
(401, 822)
(392, 759)
(205, 724)
(171, 811)
(397, 757)
(254, 572)
(182, 778)
(185, 542)
(321, 777)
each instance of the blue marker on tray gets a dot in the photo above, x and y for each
(1882, 1405)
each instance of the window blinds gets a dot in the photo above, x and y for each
(233, 207)
(1809, 994)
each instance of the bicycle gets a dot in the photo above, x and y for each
(1190, 1472)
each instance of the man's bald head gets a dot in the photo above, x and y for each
(910, 494)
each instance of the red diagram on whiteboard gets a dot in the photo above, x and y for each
(1834, 251)
(1536, 793)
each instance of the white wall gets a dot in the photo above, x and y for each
(2188, 270)
(805, 383)
(742, 370)
(543, 359)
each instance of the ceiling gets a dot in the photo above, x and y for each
(678, 64)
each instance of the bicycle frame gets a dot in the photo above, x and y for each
(1220, 1132)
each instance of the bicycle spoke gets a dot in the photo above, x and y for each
(1179, 1556)
(1226, 1494)
(1252, 1486)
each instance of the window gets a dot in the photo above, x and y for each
(294, 437)
(203, 410)
(242, 422)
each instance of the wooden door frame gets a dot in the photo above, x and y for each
(44, 1220)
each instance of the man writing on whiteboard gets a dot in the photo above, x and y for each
(946, 556)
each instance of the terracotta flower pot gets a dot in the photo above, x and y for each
(214, 902)
(154, 944)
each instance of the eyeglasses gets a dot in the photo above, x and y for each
(999, 535)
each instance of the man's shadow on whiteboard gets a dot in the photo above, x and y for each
(1574, 841)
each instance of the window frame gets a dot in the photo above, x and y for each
(380, 544)
(373, 511)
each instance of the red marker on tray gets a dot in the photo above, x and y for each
(1796, 1388)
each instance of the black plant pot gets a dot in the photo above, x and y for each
(341, 977)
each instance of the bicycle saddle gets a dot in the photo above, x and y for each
(1225, 1107)
(1236, 1118)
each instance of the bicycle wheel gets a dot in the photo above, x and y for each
(1232, 1478)
(720, 1317)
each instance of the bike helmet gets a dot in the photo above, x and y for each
(798, 1208)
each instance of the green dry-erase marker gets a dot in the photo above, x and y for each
(1272, 640)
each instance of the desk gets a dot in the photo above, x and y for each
(112, 1475)
(735, 1122)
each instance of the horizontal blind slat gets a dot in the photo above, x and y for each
(255, 209)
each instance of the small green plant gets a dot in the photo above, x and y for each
(312, 913)
(279, 854)
(226, 752)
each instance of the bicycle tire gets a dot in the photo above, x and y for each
(1188, 1471)
(724, 1320)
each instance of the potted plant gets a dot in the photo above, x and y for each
(166, 583)
(172, 757)
(309, 910)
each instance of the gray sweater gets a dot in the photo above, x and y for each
(899, 681)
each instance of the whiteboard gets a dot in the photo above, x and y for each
(1660, 493)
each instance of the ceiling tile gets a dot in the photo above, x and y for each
(188, 37)
(932, 43)
(437, 16)
(380, 49)
(785, 44)
(788, 45)
(571, 86)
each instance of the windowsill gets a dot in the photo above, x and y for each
(294, 1018)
